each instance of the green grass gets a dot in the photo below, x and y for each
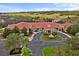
(64, 50)
(49, 51)
(56, 51)
(46, 37)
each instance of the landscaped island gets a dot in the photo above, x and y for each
(51, 37)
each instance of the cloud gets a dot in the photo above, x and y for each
(41, 9)
(67, 6)
(10, 9)
(56, 7)
(59, 7)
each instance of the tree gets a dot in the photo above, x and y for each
(6, 32)
(24, 31)
(73, 46)
(16, 40)
(73, 29)
(75, 43)
(12, 41)
(24, 40)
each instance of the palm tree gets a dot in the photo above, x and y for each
(24, 40)
(6, 32)
(15, 40)
(12, 41)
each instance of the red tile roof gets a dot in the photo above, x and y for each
(11, 26)
(46, 25)
(66, 25)
(21, 25)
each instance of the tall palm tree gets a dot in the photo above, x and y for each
(24, 40)
(12, 41)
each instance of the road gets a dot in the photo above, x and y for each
(3, 51)
(37, 45)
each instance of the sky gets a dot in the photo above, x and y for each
(25, 7)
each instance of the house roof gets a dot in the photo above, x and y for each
(11, 26)
(46, 25)
(21, 25)
(66, 25)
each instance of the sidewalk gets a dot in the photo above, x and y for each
(65, 34)
(30, 38)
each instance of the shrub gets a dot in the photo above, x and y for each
(8, 31)
(54, 33)
(26, 52)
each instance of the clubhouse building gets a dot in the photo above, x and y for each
(42, 26)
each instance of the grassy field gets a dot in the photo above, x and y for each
(54, 16)
(44, 16)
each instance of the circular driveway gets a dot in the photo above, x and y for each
(36, 45)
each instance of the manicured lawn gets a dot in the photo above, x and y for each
(64, 50)
(46, 37)
(55, 51)
(49, 51)
(52, 51)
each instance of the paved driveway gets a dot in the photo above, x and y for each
(3, 51)
(36, 45)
